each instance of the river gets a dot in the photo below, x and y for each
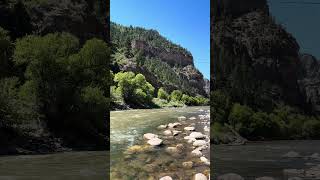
(60, 166)
(258, 159)
(127, 129)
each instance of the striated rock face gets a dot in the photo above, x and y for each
(170, 57)
(255, 60)
(310, 80)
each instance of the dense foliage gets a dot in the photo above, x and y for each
(283, 122)
(52, 80)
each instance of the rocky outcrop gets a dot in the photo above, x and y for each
(76, 17)
(170, 57)
(310, 80)
(254, 60)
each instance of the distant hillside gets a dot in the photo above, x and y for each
(163, 63)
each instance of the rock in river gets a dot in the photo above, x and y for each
(189, 128)
(230, 176)
(205, 160)
(196, 153)
(167, 132)
(200, 176)
(155, 142)
(199, 143)
(265, 178)
(187, 165)
(292, 154)
(166, 178)
(173, 125)
(162, 126)
(174, 132)
(181, 118)
(150, 136)
(197, 135)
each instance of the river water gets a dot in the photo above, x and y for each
(127, 129)
(258, 159)
(61, 166)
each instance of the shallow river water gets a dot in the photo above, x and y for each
(258, 159)
(127, 129)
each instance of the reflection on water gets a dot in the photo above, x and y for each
(72, 165)
(262, 158)
(127, 129)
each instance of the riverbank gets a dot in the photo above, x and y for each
(173, 156)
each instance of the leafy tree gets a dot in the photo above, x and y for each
(162, 94)
(176, 95)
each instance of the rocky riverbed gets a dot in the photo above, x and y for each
(176, 150)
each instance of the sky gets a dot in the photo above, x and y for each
(301, 19)
(184, 22)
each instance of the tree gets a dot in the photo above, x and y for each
(162, 94)
(176, 95)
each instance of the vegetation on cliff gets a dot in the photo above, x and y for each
(163, 65)
(257, 71)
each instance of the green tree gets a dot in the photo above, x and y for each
(162, 94)
(176, 95)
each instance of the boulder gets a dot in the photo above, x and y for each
(189, 128)
(197, 135)
(173, 125)
(199, 143)
(230, 176)
(155, 142)
(174, 132)
(196, 153)
(167, 132)
(205, 160)
(150, 136)
(166, 178)
(200, 176)
(162, 126)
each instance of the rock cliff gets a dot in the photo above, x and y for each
(257, 61)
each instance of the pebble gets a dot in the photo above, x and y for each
(189, 128)
(197, 135)
(167, 132)
(196, 153)
(205, 160)
(199, 143)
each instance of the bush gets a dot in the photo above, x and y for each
(176, 95)
(240, 117)
(221, 105)
(162, 94)
(310, 129)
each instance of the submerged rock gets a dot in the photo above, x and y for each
(187, 165)
(292, 154)
(230, 176)
(200, 176)
(150, 136)
(192, 118)
(265, 178)
(138, 149)
(162, 126)
(181, 118)
(155, 142)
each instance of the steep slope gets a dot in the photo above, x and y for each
(164, 63)
(254, 59)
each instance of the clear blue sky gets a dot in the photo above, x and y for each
(185, 22)
(301, 20)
